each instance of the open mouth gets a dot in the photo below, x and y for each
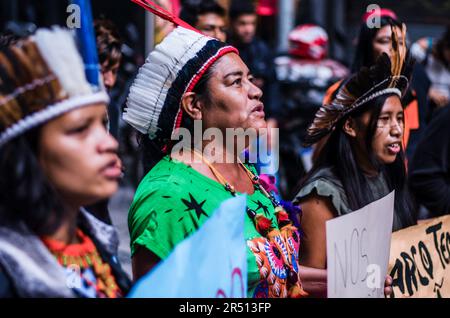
(112, 170)
(259, 109)
(394, 148)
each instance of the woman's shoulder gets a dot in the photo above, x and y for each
(325, 177)
(324, 183)
(167, 175)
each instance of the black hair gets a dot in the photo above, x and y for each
(152, 150)
(443, 44)
(241, 7)
(26, 195)
(191, 10)
(364, 49)
(338, 155)
(109, 43)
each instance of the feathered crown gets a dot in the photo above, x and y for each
(41, 78)
(386, 76)
(173, 68)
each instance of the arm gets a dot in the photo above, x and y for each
(314, 281)
(142, 262)
(313, 248)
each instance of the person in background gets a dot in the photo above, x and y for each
(429, 174)
(207, 16)
(110, 56)
(109, 48)
(436, 59)
(254, 52)
(56, 156)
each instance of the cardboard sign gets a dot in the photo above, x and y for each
(420, 260)
(358, 250)
(210, 263)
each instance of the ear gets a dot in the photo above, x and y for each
(350, 127)
(192, 105)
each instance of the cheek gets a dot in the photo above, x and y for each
(379, 49)
(379, 147)
(74, 172)
(66, 166)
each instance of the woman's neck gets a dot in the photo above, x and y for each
(224, 161)
(67, 231)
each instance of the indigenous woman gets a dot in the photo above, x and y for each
(55, 157)
(373, 42)
(188, 77)
(362, 159)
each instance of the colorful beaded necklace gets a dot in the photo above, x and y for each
(263, 224)
(85, 255)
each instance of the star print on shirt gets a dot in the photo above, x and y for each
(261, 206)
(194, 205)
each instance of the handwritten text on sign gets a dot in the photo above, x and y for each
(420, 260)
(358, 250)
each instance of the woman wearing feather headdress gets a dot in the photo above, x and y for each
(55, 157)
(363, 158)
(371, 43)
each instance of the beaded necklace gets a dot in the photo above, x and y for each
(264, 225)
(263, 221)
(85, 255)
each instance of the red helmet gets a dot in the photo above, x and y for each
(267, 7)
(308, 41)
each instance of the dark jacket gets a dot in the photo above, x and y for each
(430, 166)
(28, 269)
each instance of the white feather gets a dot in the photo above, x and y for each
(59, 51)
(150, 88)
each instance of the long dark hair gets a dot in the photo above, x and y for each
(152, 150)
(26, 195)
(338, 155)
(442, 45)
(364, 49)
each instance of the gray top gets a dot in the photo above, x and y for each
(33, 270)
(326, 184)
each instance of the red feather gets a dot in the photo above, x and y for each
(164, 14)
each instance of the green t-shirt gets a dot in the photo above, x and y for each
(173, 200)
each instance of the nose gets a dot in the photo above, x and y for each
(107, 143)
(220, 35)
(397, 129)
(254, 92)
(108, 79)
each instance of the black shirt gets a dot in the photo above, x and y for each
(430, 166)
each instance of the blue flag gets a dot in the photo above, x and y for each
(210, 263)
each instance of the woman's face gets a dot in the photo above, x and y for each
(382, 43)
(235, 100)
(387, 139)
(79, 156)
